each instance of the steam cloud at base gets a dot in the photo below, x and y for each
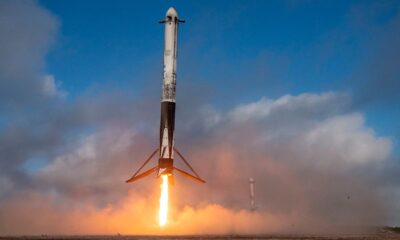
(307, 153)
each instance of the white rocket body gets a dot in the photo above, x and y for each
(166, 148)
(252, 201)
(167, 122)
(170, 47)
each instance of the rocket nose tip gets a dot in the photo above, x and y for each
(172, 12)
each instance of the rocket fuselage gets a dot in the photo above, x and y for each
(167, 121)
(252, 202)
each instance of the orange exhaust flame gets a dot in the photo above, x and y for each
(163, 200)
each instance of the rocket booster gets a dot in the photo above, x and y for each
(168, 102)
(167, 121)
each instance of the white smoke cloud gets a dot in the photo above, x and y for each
(51, 88)
(348, 134)
(306, 178)
(265, 108)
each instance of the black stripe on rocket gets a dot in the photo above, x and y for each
(167, 121)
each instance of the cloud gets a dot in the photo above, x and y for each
(357, 143)
(308, 178)
(27, 31)
(50, 87)
(305, 103)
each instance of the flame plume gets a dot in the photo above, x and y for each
(163, 200)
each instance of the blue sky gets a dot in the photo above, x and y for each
(259, 48)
